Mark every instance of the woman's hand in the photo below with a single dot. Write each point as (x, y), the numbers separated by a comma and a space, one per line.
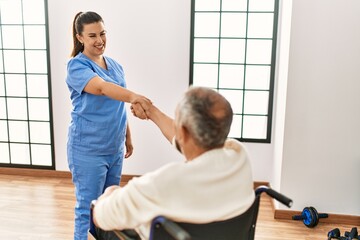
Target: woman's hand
(128, 142)
(129, 148)
(139, 107)
(138, 111)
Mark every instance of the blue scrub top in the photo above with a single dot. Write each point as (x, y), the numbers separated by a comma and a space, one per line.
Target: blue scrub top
(98, 123)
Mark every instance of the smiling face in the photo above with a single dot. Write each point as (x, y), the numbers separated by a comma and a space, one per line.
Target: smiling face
(93, 38)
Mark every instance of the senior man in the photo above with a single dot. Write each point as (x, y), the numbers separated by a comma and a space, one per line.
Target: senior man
(213, 183)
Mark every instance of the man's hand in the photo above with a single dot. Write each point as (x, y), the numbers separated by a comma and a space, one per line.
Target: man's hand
(139, 109)
(108, 191)
(139, 106)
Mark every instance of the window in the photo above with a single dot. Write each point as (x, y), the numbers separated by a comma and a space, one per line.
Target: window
(233, 46)
(25, 108)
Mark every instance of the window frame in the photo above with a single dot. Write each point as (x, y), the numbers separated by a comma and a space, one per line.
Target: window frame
(269, 114)
(25, 73)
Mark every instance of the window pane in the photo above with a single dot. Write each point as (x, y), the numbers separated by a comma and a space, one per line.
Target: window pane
(17, 108)
(260, 25)
(205, 75)
(24, 83)
(237, 61)
(15, 85)
(3, 131)
(206, 50)
(261, 5)
(256, 102)
(20, 153)
(13, 37)
(41, 155)
(34, 15)
(11, 12)
(37, 85)
(4, 153)
(257, 77)
(232, 51)
(234, 5)
(38, 109)
(255, 127)
(259, 51)
(207, 5)
(2, 108)
(36, 61)
(40, 132)
(235, 130)
(233, 25)
(18, 131)
(14, 61)
(35, 37)
(207, 24)
(232, 76)
(235, 98)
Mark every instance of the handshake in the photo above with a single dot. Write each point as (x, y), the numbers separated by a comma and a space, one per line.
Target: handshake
(142, 107)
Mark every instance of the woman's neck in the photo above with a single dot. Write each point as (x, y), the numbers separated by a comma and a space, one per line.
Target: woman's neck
(98, 59)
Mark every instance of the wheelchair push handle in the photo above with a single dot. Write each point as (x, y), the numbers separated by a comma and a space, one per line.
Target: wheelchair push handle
(274, 194)
(280, 197)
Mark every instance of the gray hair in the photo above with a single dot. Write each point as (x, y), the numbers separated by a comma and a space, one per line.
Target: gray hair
(207, 115)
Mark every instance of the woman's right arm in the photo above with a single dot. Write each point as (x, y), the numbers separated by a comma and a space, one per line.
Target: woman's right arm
(98, 86)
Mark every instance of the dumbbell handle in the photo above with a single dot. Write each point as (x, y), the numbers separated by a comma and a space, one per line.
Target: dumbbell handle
(302, 217)
(352, 234)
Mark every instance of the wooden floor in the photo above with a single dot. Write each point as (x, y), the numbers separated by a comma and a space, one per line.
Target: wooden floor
(41, 208)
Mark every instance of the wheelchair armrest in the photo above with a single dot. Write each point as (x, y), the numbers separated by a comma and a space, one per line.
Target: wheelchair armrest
(171, 227)
(274, 194)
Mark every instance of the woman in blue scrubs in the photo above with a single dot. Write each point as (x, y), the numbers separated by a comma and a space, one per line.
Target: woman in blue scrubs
(99, 135)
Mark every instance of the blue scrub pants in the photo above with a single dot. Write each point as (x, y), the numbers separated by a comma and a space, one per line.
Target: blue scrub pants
(91, 175)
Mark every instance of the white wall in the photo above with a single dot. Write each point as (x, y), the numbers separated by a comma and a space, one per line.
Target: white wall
(283, 42)
(313, 157)
(321, 153)
(151, 40)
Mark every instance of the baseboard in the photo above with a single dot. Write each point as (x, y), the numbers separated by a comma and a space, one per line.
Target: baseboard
(34, 172)
(259, 183)
(66, 174)
(333, 218)
(49, 173)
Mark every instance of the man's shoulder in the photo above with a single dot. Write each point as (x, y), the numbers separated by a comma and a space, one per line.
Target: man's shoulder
(234, 145)
(165, 171)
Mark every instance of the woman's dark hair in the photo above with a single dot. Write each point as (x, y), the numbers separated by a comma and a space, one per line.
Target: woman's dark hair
(82, 18)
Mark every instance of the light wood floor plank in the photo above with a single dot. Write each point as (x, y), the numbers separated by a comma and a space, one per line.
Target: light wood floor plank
(41, 208)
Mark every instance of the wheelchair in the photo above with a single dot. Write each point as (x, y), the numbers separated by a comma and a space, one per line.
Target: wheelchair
(240, 227)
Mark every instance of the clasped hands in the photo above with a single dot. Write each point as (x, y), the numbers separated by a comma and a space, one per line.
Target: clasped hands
(141, 107)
